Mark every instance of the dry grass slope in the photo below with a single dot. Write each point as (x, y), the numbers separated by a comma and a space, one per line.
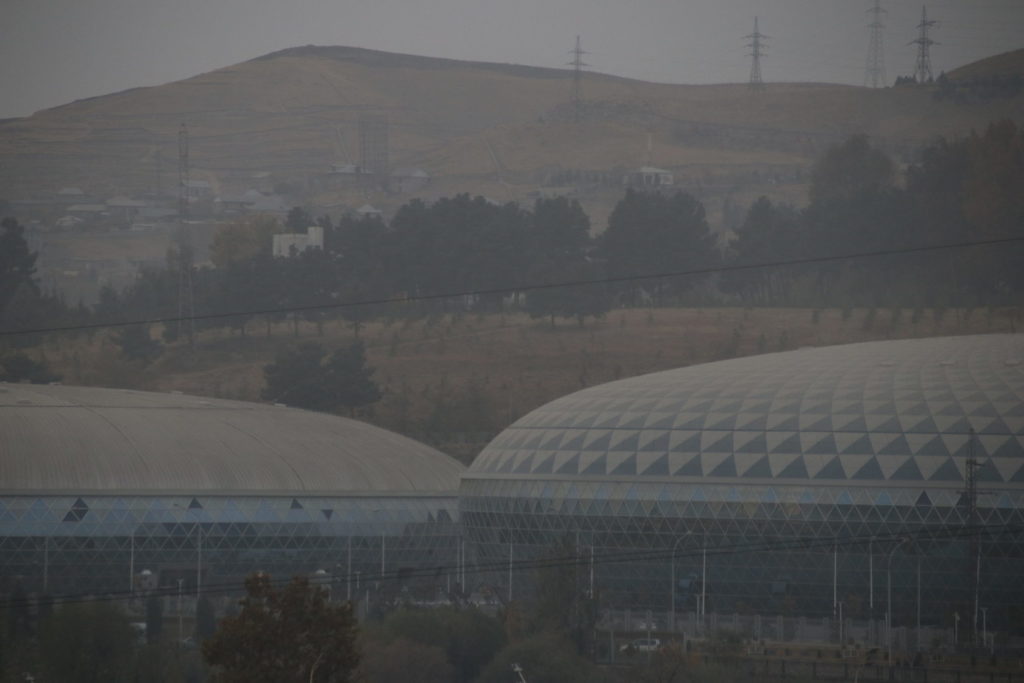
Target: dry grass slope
(456, 379)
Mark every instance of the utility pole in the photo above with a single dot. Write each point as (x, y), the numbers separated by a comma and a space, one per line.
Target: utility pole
(186, 312)
(923, 68)
(874, 71)
(970, 497)
(756, 51)
(577, 65)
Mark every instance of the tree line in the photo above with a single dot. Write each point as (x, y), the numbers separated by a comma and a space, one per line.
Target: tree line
(468, 253)
(959, 191)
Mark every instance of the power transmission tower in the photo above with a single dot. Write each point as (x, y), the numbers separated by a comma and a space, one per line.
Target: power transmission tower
(923, 69)
(577, 65)
(373, 147)
(186, 312)
(874, 71)
(756, 51)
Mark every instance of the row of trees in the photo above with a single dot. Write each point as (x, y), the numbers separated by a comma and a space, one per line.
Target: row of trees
(471, 253)
(959, 192)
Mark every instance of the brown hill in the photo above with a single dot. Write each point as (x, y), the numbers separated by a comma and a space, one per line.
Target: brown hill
(1004, 65)
(495, 129)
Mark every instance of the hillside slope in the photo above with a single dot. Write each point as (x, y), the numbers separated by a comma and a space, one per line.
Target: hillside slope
(491, 128)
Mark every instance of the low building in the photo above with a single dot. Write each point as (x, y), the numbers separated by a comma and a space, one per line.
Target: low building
(287, 244)
(649, 176)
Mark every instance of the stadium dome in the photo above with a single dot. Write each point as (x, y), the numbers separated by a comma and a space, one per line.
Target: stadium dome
(843, 454)
(98, 484)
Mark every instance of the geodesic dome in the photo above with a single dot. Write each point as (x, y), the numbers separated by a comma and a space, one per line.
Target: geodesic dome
(786, 480)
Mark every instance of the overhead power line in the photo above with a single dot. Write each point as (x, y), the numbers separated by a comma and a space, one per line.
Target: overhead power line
(523, 288)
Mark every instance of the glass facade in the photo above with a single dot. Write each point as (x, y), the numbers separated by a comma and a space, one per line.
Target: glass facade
(91, 544)
(779, 484)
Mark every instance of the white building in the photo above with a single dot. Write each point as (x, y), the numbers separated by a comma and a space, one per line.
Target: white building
(285, 242)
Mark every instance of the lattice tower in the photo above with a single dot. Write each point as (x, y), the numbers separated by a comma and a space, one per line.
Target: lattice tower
(874, 70)
(756, 46)
(923, 68)
(577, 65)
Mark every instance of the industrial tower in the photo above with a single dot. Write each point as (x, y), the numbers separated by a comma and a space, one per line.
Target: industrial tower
(756, 50)
(874, 71)
(186, 312)
(577, 65)
(923, 69)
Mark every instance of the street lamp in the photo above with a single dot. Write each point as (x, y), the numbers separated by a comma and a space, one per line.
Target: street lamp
(888, 609)
(672, 585)
(984, 626)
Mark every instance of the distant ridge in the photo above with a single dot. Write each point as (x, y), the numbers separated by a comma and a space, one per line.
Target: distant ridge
(378, 58)
(1002, 65)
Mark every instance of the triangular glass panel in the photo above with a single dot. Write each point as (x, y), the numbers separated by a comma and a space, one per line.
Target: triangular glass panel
(832, 470)
(794, 470)
(860, 446)
(897, 446)
(597, 467)
(600, 443)
(626, 467)
(870, 470)
(692, 468)
(908, 471)
(726, 468)
(755, 445)
(947, 472)
(570, 466)
(760, 469)
(545, 465)
(659, 443)
(658, 468)
(790, 445)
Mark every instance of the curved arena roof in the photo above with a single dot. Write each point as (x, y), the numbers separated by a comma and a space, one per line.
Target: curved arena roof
(78, 439)
(890, 412)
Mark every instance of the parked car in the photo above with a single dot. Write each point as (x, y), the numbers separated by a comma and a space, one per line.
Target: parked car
(642, 645)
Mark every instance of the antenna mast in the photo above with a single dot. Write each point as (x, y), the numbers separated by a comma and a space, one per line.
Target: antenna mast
(186, 313)
(577, 65)
(756, 47)
(874, 71)
(923, 68)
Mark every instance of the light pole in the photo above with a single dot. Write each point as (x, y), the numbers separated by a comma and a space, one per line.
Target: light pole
(888, 609)
(131, 566)
(703, 583)
(180, 582)
(672, 585)
(984, 626)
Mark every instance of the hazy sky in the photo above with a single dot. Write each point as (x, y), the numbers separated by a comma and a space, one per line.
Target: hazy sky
(56, 51)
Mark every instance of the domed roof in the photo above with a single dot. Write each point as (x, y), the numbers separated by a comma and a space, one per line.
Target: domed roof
(78, 439)
(891, 411)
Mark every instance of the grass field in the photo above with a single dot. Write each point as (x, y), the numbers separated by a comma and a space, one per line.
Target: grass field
(456, 379)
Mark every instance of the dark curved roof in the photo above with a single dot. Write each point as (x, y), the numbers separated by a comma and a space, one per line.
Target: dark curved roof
(877, 412)
(61, 439)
